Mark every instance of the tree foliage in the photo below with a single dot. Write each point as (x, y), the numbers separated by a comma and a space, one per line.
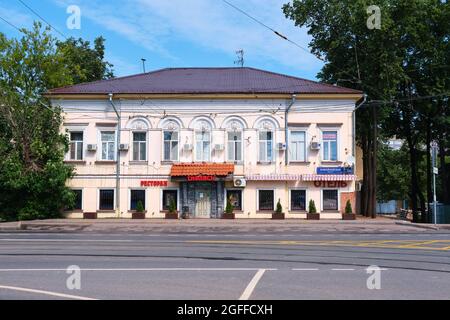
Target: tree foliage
(407, 58)
(32, 171)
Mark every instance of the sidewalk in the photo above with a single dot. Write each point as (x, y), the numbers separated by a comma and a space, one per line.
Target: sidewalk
(362, 225)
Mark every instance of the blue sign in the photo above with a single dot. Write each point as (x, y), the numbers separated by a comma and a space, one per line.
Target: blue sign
(334, 170)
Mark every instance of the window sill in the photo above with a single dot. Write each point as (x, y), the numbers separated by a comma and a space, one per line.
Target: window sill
(106, 211)
(138, 163)
(330, 211)
(168, 163)
(80, 162)
(105, 162)
(134, 211)
(265, 163)
(265, 211)
(298, 212)
(331, 162)
(300, 162)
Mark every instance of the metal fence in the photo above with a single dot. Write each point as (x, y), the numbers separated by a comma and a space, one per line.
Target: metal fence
(442, 213)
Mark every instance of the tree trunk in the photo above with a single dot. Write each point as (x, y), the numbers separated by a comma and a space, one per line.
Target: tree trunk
(445, 197)
(373, 200)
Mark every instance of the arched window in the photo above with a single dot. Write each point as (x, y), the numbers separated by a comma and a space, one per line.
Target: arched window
(266, 137)
(171, 140)
(139, 128)
(203, 131)
(235, 135)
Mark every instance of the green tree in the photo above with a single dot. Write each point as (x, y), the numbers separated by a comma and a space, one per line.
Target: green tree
(32, 171)
(229, 207)
(85, 64)
(312, 207)
(348, 207)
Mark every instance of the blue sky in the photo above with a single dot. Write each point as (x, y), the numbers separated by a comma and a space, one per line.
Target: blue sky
(176, 33)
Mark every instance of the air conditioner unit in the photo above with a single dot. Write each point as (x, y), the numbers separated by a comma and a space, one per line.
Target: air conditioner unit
(188, 147)
(91, 147)
(124, 147)
(219, 147)
(315, 146)
(281, 146)
(240, 183)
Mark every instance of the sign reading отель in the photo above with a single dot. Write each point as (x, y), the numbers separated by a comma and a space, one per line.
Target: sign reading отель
(154, 183)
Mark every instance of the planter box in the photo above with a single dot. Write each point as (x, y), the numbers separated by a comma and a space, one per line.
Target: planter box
(138, 215)
(313, 216)
(172, 216)
(228, 216)
(89, 215)
(278, 216)
(348, 216)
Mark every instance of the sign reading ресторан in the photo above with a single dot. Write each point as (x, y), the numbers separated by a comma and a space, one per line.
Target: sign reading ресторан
(154, 183)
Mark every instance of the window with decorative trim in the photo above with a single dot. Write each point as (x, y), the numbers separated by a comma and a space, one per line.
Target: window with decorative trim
(330, 145)
(76, 146)
(171, 138)
(297, 146)
(139, 146)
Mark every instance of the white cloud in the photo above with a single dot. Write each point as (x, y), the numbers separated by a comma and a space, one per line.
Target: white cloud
(17, 18)
(158, 24)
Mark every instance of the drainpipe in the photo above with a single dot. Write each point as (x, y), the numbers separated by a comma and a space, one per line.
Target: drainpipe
(118, 155)
(354, 124)
(286, 129)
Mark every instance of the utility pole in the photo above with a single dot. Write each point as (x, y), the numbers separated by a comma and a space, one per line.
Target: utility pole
(434, 149)
(143, 64)
(240, 58)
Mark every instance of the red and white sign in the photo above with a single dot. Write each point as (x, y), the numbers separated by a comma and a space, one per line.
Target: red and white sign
(330, 184)
(154, 183)
(201, 178)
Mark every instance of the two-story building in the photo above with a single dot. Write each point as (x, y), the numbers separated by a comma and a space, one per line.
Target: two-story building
(195, 137)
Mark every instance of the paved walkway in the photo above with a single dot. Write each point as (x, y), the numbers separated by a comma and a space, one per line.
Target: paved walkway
(362, 225)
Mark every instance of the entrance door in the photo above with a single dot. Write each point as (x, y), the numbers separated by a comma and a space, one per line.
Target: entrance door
(202, 203)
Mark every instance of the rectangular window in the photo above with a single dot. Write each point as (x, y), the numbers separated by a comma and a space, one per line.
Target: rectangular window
(266, 146)
(139, 146)
(108, 142)
(298, 200)
(330, 142)
(76, 146)
(235, 196)
(170, 146)
(330, 200)
(265, 200)
(106, 199)
(297, 146)
(203, 146)
(235, 146)
(78, 204)
(135, 197)
(168, 197)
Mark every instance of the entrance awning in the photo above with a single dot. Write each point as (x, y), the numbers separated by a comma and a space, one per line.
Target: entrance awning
(202, 169)
(329, 177)
(273, 177)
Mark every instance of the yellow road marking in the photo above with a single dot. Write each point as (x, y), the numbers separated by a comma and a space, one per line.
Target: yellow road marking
(390, 244)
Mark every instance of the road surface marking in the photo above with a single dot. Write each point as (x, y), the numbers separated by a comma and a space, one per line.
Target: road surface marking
(305, 269)
(141, 269)
(343, 269)
(49, 293)
(64, 240)
(252, 285)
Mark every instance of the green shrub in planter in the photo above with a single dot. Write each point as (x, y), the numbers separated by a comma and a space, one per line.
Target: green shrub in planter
(229, 208)
(312, 207)
(172, 206)
(279, 208)
(348, 207)
(140, 207)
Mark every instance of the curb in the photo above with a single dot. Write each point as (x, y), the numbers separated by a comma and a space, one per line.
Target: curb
(417, 225)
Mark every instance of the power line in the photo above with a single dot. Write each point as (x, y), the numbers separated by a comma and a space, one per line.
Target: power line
(40, 17)
(6, 21)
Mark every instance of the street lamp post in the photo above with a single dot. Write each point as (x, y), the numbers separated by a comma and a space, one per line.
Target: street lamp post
(434, 148)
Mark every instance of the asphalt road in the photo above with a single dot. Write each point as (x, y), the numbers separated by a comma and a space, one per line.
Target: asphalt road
(225, 266)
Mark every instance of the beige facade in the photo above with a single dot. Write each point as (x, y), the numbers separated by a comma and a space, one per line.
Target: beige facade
(250, 133)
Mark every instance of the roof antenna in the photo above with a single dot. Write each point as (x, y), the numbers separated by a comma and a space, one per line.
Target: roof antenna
(240, 56)
(143, 63)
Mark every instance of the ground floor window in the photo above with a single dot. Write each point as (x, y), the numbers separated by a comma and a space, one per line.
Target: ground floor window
(78, 202)
(168, 197)
(265, 200)
(106, 199)
(298, 200)
(235, 196)
(135, 197)
(330, 200)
